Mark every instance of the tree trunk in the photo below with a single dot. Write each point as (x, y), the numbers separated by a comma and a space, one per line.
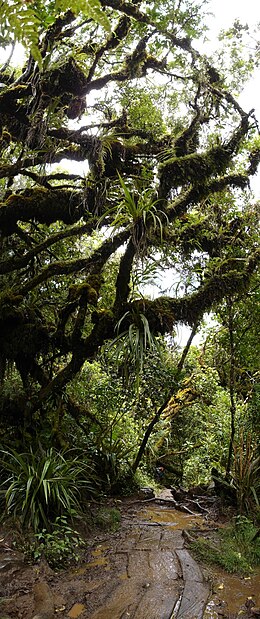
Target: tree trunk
(157, 416)
(231, 385)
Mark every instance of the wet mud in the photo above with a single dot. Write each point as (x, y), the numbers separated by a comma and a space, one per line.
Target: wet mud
(143, 571)
(230, 595)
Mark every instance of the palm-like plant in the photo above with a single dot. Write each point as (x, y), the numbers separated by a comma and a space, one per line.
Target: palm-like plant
(140, 212)
(133, 342)
(42, 485)
(246, 474)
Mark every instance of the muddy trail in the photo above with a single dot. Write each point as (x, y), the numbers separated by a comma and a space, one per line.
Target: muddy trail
(143, 571)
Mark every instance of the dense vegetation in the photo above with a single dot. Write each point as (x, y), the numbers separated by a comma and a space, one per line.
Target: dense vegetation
(126, 159)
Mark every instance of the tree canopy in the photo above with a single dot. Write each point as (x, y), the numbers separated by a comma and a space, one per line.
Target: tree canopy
(162, 158)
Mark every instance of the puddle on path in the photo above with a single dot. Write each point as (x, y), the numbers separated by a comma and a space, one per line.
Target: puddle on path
(101, 561)
(171, 517)
(98, 560)
(231, 592)
(76, 611)
(99, 550)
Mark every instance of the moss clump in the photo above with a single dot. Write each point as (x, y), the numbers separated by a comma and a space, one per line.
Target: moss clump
(10, 313)
(194, 168)
(68, 78)
(159, 313)
(42, 205)
(85, 292)
(8, 297)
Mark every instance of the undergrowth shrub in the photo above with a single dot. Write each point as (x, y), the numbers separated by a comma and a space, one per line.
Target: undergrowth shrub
(107, 518)
(246, 474)
(237, 549)
(39, 486)
(60, 547)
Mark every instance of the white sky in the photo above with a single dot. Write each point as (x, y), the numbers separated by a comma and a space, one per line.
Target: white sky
(226, 11)
(224, 14)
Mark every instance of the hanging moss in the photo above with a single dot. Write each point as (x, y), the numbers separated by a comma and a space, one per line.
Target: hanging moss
(68, 78)
(10, 312)
(8, 99)
(27, 339)
(22, 331)
(12, 406)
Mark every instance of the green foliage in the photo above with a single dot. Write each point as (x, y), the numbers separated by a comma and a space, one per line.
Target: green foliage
(246, 474)
(108, 518)
(237, 548)
(123, 414)
(239, 56)
(60, 547)
(140, 211)
(110, 443)
(143, 108)
(192, 442)
(246, 342)
(20, 20)
(41, 485)
(25, 21)
(142, 479)
(132, 344)
(139, 334)
(200, 433)
(186, 17)
(89, 8)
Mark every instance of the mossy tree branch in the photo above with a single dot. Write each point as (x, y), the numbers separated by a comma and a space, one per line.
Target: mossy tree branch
(90, 265)
(52, 315)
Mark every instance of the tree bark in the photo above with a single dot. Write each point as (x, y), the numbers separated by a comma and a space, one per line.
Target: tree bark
(232, 384)
(157, 416)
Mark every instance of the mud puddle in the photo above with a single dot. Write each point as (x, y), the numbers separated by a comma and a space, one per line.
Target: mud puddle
(230, 593)
(171, 518)
(76, 611)
(97, 560)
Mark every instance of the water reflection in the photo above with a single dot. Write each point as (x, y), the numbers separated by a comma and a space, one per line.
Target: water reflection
(230, 591)
(171, 517)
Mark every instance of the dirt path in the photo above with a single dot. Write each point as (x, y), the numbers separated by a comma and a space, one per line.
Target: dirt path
(141, 572)
(156, 578)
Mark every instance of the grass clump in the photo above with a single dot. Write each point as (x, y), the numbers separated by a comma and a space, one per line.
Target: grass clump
(237, 549)
(42, 485)
(108, 519)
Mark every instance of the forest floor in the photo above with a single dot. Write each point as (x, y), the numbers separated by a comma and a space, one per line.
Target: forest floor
(144, 570)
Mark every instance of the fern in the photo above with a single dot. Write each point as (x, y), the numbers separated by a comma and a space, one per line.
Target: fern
(19, 20)
(90, 8)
